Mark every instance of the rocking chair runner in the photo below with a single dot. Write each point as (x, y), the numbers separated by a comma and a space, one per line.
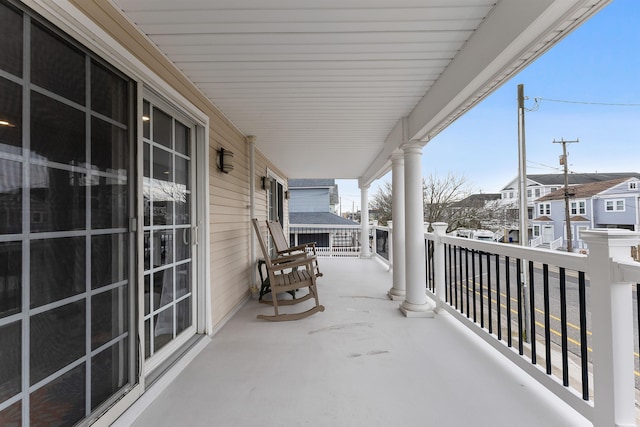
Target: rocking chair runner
(282, 246)
(287, 273)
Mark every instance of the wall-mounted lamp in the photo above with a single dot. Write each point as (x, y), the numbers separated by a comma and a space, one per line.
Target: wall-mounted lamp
(266, 182)
(287, 194)
(225, 160)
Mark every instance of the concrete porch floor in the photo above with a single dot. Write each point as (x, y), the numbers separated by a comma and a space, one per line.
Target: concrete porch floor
(359, 363)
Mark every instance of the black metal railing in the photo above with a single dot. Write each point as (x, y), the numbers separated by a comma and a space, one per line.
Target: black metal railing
(382, 243)
(545, 313)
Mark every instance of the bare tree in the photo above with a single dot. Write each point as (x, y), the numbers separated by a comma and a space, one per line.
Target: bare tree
(381, 203)
(440, 196)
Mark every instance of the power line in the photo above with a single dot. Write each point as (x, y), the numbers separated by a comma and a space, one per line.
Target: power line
(542, 165)
(610, 104)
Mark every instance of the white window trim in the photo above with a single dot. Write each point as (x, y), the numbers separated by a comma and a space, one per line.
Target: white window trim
(576, 205)
(614, 205)
(544, 208)
(633, 185)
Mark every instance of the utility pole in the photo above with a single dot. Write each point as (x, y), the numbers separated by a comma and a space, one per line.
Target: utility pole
(524, 209)
(567, 213)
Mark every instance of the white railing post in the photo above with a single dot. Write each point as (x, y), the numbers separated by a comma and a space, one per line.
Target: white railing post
(331, 244)
(374, 241)
(439, 230)
(364, 222)
(612, 320)
(390, 246)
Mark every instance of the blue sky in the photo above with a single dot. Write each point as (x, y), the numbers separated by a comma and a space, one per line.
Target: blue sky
(598, 63)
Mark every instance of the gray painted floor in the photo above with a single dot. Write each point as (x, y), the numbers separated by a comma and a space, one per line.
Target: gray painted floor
(360, 363)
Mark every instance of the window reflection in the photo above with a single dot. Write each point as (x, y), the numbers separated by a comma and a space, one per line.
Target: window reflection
(10, 278)
(10, 116)
(11, 41)
(10, 197)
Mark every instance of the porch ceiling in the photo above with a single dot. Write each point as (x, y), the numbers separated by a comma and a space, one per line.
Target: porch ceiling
(324, 85)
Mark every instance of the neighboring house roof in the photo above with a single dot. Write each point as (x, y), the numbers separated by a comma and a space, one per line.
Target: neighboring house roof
(477, 199)
(542, 218)
(574, 178)
(311, 183)
(583, 191)
(579, 218)
(325, 218)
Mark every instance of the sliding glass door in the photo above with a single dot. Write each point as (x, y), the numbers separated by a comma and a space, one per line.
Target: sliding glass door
(169, 262)
(67, 347)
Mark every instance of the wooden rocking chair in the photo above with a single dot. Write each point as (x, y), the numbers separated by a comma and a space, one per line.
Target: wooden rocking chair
(282, 245)
(288, 273)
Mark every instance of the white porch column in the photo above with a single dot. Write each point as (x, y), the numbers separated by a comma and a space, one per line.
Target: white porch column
(415, 303)
(398, 289)
(365, 252)
(612, 322)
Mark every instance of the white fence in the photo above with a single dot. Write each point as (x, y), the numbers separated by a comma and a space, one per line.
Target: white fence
(331, 240)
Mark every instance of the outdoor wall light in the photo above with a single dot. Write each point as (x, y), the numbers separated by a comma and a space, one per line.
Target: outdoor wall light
(287, 194)
(225, 160)
(266, 182)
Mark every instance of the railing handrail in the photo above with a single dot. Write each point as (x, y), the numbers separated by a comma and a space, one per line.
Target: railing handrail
(629, 270)
(535, 242)
(570, 261)
(556, 243)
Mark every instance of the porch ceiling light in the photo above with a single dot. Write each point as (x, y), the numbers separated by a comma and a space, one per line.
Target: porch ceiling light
(225, 160)
(7, 124)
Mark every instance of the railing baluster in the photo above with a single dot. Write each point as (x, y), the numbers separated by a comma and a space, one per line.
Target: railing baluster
(507, 272)
(532, 314)
(455, 277)
(466, 282)
(563, 327)
(498, 298)
(547, 317)
(473, 282)
(450, 276)
(481, 290)
(584, 356)
(489, 292)
(519, 283)
(461, 279)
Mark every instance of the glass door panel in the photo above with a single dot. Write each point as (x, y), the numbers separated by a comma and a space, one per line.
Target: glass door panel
(66, 181)
(168, 261)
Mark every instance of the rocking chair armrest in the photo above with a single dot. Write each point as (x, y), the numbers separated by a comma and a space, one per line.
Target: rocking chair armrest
(306, 261)
(285, 259)
(298, 248)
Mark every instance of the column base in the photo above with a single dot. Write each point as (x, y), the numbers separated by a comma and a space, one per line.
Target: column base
(417, 310)
(396, 294)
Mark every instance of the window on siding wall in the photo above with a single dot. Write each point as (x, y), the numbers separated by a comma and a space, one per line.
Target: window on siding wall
(616, 205)
(579, 207)
(633, 186)
(544, 209)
